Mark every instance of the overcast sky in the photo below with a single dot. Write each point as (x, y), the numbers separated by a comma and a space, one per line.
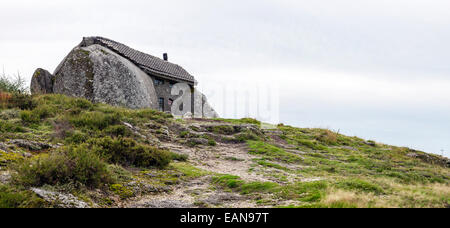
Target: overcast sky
(375, 69)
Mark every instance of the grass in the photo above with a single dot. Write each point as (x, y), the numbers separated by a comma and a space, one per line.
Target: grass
(127, 151)
(271, 152)
(299, 191)
(264, 163)
(360, 185)
(240, 121)
(98, 151)
(188, 170)
(12, 198)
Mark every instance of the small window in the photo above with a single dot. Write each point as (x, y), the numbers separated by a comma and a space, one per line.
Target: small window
(171, 84)
(170, 102)
(158, 82)
(161, 104)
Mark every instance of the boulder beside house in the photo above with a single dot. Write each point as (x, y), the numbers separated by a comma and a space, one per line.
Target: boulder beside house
(105, 71)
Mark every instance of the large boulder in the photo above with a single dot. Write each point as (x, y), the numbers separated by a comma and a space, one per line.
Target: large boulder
(208, 110)
(202, 108)
(100, 75)
(41, 82)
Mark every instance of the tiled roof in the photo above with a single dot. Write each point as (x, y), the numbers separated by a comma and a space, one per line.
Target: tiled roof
(148, 63)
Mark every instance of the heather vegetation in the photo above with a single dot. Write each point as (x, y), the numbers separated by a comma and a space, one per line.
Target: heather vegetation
(112, 156)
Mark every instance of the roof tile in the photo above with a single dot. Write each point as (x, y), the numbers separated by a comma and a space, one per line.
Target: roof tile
(145, 61)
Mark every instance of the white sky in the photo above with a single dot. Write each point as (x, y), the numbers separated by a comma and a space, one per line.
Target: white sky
(375, 69)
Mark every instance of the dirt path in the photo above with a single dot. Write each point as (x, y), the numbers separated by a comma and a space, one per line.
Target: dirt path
(191, 194)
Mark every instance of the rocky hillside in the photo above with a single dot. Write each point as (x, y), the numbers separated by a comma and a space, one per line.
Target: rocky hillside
(57, 151)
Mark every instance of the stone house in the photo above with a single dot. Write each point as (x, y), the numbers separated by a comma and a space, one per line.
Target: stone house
(103, 70)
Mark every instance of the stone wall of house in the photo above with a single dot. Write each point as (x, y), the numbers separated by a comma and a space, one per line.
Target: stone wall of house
(164, 91)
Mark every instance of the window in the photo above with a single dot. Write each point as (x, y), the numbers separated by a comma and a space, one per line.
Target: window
(158, 82)
(171, 84)
(161, 104)
(170, 102)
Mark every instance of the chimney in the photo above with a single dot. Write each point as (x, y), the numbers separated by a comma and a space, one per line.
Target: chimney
(165, 57)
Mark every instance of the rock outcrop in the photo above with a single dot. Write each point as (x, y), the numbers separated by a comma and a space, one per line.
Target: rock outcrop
(42, 82)
(202, 108)
(60, 199)
(120, 76)
(100, 75)
(208, 111)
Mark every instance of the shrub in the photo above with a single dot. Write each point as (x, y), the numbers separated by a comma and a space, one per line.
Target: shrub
(241, 121)
(95, 120)
(212, 142)
(29, 117)
(328, 137)
(45, 111)
(21, 101)
(6, 126)
(126, 151)
(4, 99)
(117, 130)
(12, 85)
(246, 136)
(150, 114)
(14, 93)
(76, 137)
(81, 103)
(120, 174)
(222, 129)
(72, 164)
(13, 198)
(250, 121)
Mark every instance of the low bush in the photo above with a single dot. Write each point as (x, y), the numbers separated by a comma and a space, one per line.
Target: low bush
(95, 120)
(72, 164)
(21, 101)
(245, 136)
(13, 198)
(117, 131)
(126, 151)
(76, 137)
(12, 84)
(241, 121)
(222, 129)
(6, 126)
(29, 117)
(328, 137)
